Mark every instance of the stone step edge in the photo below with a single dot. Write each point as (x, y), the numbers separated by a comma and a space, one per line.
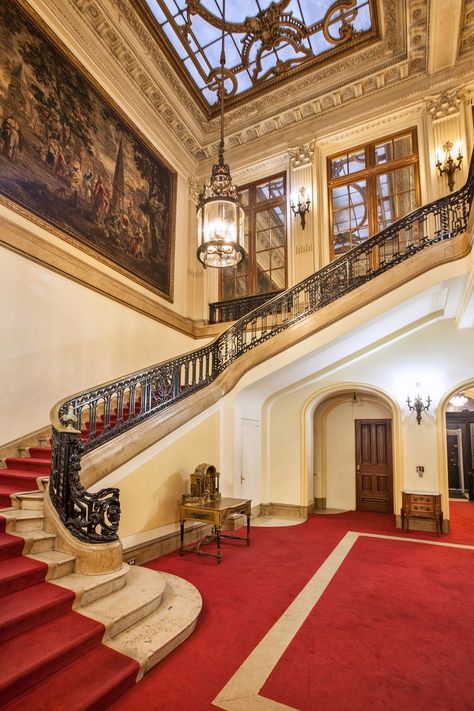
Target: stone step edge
(89, 588)
(132, 603)
(153, 638)
(59, 564)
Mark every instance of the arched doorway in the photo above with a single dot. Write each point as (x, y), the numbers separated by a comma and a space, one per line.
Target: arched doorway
(460, 445)
(352, 434)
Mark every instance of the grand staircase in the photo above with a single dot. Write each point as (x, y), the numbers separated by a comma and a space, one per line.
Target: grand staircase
(66, 638)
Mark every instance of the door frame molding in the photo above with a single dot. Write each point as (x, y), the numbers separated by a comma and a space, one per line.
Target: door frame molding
(458, 433)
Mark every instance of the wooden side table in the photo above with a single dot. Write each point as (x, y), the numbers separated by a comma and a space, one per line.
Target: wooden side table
(422, 505)
(215, 513)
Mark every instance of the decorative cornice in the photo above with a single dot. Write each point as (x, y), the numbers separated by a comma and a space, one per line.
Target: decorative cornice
(444, 105)
(96, 18)
(302, 155)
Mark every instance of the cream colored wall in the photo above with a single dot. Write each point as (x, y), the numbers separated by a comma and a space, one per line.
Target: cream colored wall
(59, 337)
(337, 438)
(438, 357)
(152, 484)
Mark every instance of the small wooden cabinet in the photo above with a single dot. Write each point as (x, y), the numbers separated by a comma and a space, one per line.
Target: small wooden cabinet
(422, 505)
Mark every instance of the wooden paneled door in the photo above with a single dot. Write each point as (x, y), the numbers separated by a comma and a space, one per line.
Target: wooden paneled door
(374, 476)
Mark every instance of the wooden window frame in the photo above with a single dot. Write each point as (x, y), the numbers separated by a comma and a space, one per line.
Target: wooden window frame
(369, 174)
(251, 211)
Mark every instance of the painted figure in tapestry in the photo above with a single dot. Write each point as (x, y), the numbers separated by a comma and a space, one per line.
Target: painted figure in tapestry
(70, 159)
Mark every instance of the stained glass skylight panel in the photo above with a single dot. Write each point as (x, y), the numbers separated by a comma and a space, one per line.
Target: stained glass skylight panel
(263, 40)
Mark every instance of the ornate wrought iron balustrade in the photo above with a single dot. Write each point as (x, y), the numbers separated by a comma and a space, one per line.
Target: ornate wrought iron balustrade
(233, 309)
(87, 420)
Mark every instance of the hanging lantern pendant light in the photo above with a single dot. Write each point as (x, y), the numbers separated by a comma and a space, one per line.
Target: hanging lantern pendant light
(219, 212)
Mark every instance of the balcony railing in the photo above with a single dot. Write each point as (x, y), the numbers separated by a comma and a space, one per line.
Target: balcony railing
(87, 420)
(233, 309)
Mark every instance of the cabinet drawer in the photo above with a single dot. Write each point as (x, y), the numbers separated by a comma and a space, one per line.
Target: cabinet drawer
(421, 508)
(418, 499)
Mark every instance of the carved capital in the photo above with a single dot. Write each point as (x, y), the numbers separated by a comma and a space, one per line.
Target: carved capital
(193, 190)
(302, 155)
(444, 105)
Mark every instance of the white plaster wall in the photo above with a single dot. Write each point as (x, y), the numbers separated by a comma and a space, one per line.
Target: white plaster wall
(58, 337)
(338, 434)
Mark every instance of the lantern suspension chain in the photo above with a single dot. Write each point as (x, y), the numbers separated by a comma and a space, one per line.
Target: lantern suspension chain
(222, 87)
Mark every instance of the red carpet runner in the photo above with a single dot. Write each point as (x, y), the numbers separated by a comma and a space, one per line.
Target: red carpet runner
(394, 626)
(43, 644)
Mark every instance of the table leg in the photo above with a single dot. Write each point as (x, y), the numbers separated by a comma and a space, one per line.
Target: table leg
(248, 529)
(181, 537)
(218, 541)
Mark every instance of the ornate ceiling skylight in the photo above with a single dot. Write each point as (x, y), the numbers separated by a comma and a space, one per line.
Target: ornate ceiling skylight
(264, 41)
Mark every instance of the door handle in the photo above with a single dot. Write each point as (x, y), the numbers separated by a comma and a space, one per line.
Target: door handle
(358, 467)
(242, 478)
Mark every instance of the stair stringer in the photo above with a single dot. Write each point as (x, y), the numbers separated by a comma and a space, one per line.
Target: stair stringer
(97, 464)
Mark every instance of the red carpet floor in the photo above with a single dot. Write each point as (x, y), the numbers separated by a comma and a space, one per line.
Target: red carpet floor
(251, 589)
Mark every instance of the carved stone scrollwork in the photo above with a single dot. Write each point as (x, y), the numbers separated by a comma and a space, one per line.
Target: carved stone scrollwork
(444, 105)
(302, 155)
(193, 190)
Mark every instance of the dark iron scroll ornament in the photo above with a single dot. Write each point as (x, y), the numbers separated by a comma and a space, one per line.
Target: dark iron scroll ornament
(83, 422)
(269, 29)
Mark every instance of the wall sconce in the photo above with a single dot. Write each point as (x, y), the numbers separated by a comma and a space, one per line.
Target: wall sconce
(419, 406)
(302, 206)
(450, 166)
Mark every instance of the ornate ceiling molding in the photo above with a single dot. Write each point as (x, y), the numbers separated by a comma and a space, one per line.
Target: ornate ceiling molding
(444, 105)
(98, 20)
(302, 155)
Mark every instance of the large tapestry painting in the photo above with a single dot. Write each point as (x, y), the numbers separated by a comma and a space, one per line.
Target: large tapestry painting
(68, 157)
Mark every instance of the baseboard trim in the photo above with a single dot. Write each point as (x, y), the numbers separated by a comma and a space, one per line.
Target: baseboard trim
(320, 504)
(286, 510)
(147, 545)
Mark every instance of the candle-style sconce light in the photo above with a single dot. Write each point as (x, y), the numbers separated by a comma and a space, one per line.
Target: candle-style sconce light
(418, 406)
(302, 206)
(450, 165)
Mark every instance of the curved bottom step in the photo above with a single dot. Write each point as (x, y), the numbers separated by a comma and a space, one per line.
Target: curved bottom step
(151, 639)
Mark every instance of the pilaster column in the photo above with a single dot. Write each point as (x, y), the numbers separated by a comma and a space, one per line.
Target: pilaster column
(301, 241)
(446, 123)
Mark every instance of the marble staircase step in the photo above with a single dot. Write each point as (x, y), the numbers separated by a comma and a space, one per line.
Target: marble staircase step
(36, 541)
(59, 564)
(89, 588)
(28, 500)
(151, 639)
(120, 610)
(23, 520)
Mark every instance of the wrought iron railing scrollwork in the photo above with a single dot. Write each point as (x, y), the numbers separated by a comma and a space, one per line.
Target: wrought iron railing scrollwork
(89, 419)
(233, 309)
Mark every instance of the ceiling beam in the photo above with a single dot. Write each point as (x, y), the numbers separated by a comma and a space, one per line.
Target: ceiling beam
(445, 30)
